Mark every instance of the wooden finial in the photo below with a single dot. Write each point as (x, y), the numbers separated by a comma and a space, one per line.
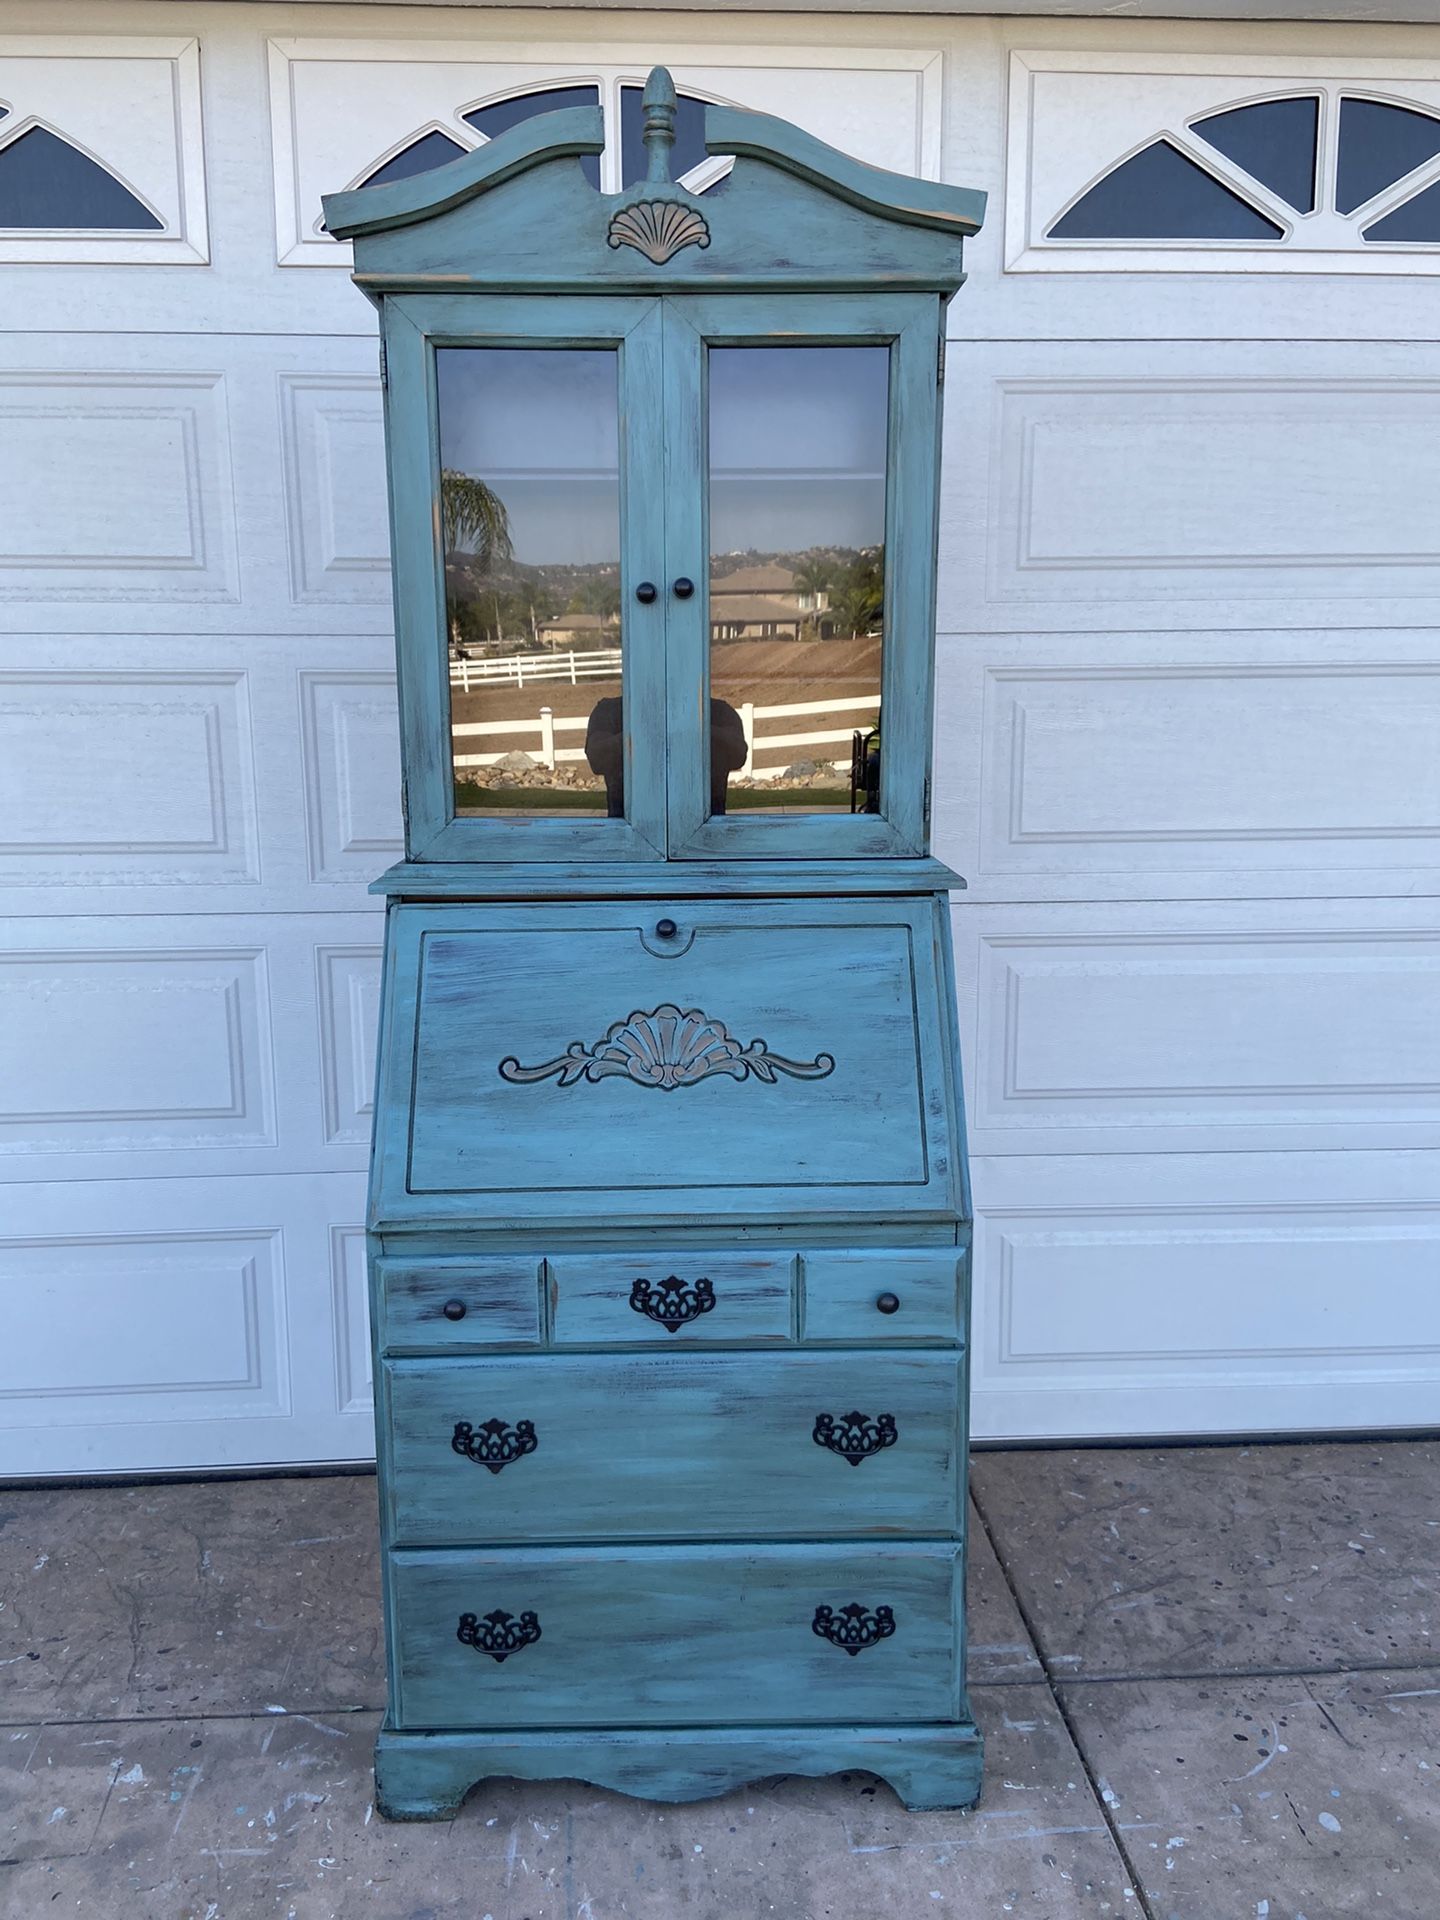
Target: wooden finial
(658, 105)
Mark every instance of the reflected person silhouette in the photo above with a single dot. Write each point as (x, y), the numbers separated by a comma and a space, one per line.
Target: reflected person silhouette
(605, 751)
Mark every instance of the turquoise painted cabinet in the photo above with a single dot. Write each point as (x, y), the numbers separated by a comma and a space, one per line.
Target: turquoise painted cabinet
(669, 1219)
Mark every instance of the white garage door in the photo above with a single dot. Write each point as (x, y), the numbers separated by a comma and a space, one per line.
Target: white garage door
(1190, 724)
(197, 730)
(1188, 695)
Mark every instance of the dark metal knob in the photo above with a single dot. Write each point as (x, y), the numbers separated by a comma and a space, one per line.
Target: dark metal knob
(888, 1303)
(684, 588)
(645, 592)
(665, 929)
(454, 1309)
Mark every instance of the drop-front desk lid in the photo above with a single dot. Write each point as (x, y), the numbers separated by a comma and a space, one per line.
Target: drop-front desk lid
(720, 1059)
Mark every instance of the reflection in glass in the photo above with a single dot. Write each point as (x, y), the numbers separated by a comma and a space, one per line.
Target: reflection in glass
(530, 521)
(797, 577)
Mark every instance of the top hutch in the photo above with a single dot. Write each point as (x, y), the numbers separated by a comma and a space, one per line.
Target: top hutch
(668, 1212)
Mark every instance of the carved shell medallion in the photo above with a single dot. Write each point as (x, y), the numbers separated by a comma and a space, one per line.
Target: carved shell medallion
(658, 228)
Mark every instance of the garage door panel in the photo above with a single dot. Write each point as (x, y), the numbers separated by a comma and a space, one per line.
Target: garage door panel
(1199, 1302)
(348, 984)
(125, 777)
(245, 772)
(181, 1323)
(338, 106)
(1256, 1027)
(352, 775)
(114, 486)
(1132, 765)
(1190, 484)
(148, 1046)
(335, 503)
(178, 483)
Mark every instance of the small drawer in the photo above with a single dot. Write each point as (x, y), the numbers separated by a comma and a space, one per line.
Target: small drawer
(687, 1636)
(883, 1294)
(636, 1446)
(449, 1305)
(673, 1299)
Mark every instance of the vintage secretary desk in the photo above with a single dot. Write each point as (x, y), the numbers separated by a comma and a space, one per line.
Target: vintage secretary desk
(668, 1212)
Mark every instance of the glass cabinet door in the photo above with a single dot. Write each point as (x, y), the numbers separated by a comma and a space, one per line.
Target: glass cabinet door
(799, 531)
(526, 628)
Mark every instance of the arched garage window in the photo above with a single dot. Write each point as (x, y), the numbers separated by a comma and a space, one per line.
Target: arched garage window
(433, 146)
(50, 184)
(1295, 169)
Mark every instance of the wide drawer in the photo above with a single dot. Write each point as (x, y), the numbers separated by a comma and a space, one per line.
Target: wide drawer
(767, 1059)
(671, 1299)
(687, 1636)
(635, 1446)
(450, 1304)
(883, 1293)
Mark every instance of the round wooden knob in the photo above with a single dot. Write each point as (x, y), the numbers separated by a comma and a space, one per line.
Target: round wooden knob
(888, 1303)
(455, 1309)
(684, 588)
(665, 929)
(645, 592)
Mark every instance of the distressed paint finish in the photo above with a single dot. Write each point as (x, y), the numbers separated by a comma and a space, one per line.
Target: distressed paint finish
(425, 1776)
(676, 1635)
(857, 980)
(754, 1296)
(668, 1205)
(631, 1446)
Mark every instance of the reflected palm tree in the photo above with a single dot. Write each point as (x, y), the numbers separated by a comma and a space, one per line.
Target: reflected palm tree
(473, 520)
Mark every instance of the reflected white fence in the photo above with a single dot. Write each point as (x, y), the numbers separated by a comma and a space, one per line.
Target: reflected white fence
(540, 736)
(523, 669)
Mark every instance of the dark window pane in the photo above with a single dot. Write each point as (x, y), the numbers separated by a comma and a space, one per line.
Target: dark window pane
(1417, 219)
(689, 148)
(501, 115)
(45, 182)
(1274, 141)
(1159, 194)
(433, 149)
(1378, 146)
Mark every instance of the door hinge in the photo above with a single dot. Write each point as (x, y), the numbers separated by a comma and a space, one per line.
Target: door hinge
(384, 366)
(925, 808)
(940, 363)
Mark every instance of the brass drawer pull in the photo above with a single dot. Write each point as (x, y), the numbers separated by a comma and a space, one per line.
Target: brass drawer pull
(854, 1436)
(853, 1628)
(499, 1634)
(672, 1303)
(494, 1443)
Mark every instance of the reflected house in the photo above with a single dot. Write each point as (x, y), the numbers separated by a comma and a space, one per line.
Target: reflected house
(764, 603)
(579, 631)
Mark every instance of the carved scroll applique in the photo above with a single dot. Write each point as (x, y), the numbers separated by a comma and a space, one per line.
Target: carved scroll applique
(667, 1048)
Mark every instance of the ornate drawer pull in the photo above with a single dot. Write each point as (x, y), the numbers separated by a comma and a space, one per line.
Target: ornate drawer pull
(671, 1301)
(499, 1634)
(854, 1436)
(853, 1628)
(494, 1444)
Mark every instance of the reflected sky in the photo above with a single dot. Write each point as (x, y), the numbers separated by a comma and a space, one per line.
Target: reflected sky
(797, 447)
(540, 426)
